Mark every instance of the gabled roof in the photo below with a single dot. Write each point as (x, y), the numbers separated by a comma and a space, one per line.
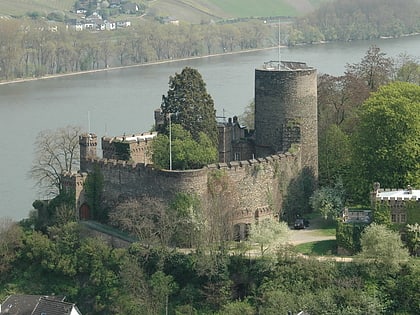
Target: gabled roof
(37, 305)
(19, 304)
(47, 306)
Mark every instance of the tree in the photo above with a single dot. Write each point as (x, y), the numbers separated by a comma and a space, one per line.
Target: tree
(186, 211)
(186, 153)
(382, 214)
(219, 209)
(93, 191)
(413, 238)
(11, 237)
(387, 140)
(334, 156)
(135, 299)
(190, 105)
(375, 68)
(384, 247)
(98, 275)
(161, 287)
(329, 201)
(248, 116)
(238, 308)
(407, 69)
(268, 234)
(56, 152)
(338, 100)
(139, 218)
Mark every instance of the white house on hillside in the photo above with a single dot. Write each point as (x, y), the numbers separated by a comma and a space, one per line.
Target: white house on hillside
(21, 304)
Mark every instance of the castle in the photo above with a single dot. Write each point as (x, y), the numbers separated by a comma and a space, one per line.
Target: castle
(259, 166)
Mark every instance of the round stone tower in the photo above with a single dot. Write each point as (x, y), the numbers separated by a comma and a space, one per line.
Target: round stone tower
(286, 110)
(88, 143)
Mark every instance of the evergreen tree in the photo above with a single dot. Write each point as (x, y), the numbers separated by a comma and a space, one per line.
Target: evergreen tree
(189, 105)
(93, 191)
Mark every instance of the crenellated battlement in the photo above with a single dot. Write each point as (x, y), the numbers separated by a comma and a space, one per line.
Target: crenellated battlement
(392, 194)
(132, 166)
(396, 199)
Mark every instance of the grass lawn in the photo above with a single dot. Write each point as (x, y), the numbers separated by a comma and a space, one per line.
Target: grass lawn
(321, 226)
(248, 8)
(321, 248)
(21, 7)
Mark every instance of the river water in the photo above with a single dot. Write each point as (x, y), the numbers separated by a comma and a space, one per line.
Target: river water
(122, 101)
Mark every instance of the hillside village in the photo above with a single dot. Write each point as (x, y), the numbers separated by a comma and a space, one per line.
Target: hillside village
(89, 18)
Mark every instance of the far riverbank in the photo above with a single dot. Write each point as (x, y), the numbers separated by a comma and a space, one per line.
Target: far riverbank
(181, 60)
(59, 75)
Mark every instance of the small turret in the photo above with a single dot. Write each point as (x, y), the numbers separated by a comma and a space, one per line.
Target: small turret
(88, 143)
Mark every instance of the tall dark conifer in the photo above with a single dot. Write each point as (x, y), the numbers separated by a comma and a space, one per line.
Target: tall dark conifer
(190, 105)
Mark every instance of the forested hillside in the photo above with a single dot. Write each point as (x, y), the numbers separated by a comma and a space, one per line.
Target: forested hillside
(347, 20)
(137, 280)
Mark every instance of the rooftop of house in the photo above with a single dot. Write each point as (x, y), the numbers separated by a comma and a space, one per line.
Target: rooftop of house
(22, 304)
(53, 307)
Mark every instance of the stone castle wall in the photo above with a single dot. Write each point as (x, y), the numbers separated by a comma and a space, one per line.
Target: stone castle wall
(138, 147)
(256, 187)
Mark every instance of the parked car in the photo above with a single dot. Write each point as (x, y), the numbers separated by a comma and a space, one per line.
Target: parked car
(299, 224)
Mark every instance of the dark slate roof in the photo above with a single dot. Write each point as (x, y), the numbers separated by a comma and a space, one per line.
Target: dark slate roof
(19, 304)
(36, 305)
(48, 306)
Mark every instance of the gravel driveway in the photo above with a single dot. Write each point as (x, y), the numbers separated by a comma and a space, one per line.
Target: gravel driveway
(310, 234)
(307, 235)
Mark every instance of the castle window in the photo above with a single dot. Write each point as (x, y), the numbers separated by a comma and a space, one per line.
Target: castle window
(402, 218)
(393, 218)
(237, 156)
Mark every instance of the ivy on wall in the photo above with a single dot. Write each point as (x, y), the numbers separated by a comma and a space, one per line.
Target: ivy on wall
(93, 187)
(382, 214)
(122, 151)
(413, 212)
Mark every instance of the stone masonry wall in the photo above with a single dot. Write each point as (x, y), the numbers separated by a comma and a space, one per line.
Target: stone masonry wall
(286, 112)
(256, 185)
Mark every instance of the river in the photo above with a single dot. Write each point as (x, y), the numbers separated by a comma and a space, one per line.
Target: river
(122, 101)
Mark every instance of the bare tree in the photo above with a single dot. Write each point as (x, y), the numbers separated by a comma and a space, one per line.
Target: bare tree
(56, 152)
(375, 68)
(220, 209)
(145, 219)
(407, 69)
